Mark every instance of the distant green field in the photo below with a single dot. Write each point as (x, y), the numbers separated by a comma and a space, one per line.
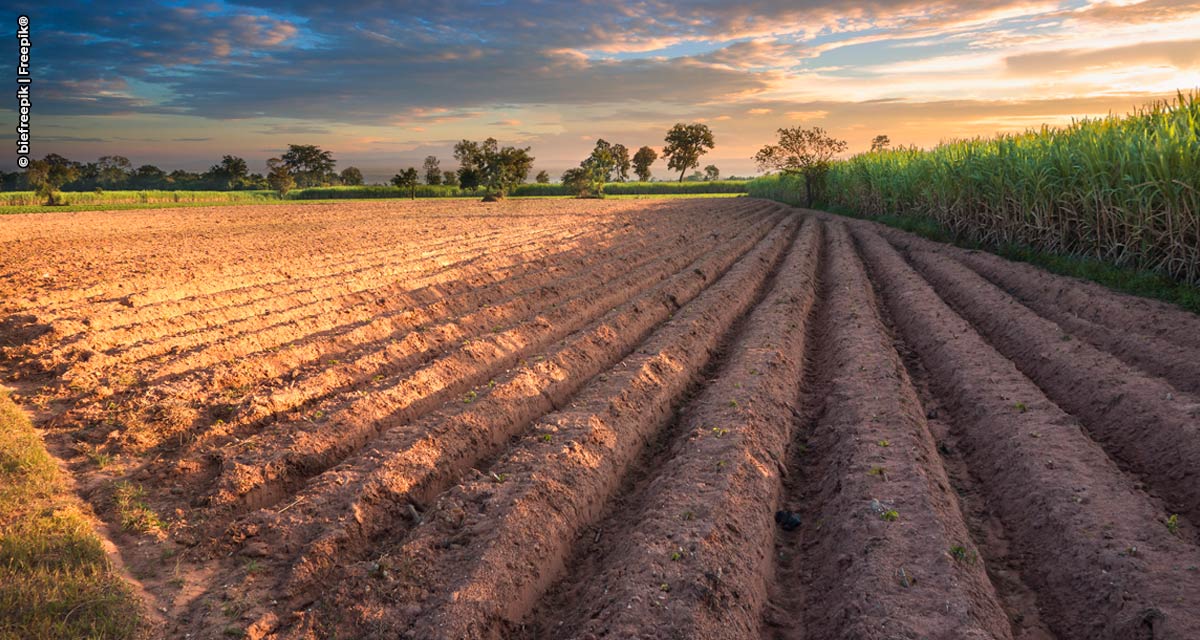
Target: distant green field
(28, 202)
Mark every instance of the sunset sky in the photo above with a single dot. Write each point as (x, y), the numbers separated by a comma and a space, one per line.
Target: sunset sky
(384, 84)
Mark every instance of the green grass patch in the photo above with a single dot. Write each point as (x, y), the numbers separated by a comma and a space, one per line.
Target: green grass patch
(55, 579)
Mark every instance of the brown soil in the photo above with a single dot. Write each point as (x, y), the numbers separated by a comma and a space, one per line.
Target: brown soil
(699, 418)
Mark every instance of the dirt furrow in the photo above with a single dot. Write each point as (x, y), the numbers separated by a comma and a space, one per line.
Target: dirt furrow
(296, 450)
(414, 465)
(710, 493)
(470, 573)
(1146, 424)
(1093, 546)
(882, 543)
(331, 362)
(151, 304)
(1164, 357)
(194, 342)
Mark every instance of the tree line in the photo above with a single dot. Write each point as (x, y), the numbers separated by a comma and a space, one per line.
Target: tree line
(485, 166)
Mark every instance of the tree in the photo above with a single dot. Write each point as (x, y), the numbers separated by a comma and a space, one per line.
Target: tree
(578, 181)
(228, 173)
(542, 177)
(433, 170)
(408, 179)
(351, 176)
(880, 142)
(279, 177)
(711, 172)
(621, 162)
(113, 171)
(310, 165)
(642, 161)
(450, 178)
(149, 176)
(49, 174)
(808, 152)
(496, 168)
(685, 144)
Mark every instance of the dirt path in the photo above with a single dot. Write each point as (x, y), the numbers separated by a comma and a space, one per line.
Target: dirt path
(607, 419)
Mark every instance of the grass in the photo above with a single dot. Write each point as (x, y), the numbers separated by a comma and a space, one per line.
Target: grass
(55, 579)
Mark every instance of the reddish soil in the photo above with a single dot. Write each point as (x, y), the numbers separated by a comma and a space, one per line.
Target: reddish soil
(718, 418)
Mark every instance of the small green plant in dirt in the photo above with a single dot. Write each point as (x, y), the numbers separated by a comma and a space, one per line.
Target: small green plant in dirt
(134, 513)
(253, 567)
(879, 472)
(884, 443)
(891, 515)
(1020, 406)
(664, 587)
(1173, 524)
(547, 437)
(677, 555)
(95, 454)
(718, 431)
(499, 478)
(470, 397)
(733, 403)
(960, 554)
(688, 515)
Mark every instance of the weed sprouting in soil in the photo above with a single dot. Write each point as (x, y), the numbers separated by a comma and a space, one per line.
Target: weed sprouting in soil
(960, 554)
(1173, 524)
(132, 510)
(891, 515)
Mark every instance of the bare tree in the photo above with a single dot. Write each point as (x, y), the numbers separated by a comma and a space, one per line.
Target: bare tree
(880, 142)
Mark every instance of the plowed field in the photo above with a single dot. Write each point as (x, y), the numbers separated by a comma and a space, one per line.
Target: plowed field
(720, 418)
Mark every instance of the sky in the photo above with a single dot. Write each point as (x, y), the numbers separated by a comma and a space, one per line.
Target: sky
(382, 84)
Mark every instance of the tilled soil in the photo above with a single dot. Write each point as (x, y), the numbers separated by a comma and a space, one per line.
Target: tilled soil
(718, 418)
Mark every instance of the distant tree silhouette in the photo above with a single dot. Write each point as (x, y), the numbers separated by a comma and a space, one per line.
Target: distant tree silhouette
(351, 176)
(685, 144)
(408, 179)
(433, 170)
(642, 161)
(880, 142)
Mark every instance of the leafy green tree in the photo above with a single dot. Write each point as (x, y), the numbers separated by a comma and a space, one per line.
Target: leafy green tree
(113, 171)
(450, 178)
(685, 144)
(808, 152)
(351, 176)
(228, 173)
(48, 175)
(310, 165)
(408, 179)
(711, 172)
(642, 161)
(578, 181)
(279, 176)
(149, 176)
(880, 142)
(487, 164)
(542, 177)
(433, 170)
(621, 164)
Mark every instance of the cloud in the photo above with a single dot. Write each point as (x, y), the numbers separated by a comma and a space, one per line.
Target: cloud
(190, 139)
(1184, 54)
